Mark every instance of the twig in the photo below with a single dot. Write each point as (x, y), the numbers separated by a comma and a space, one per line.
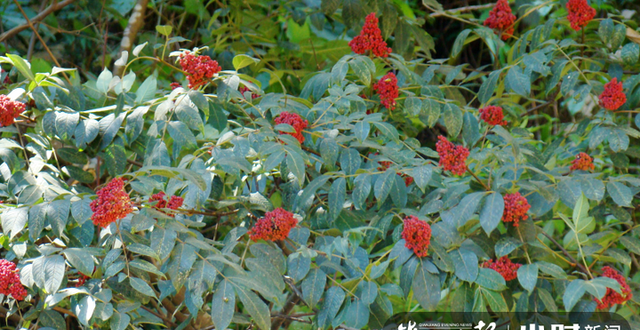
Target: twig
(478, 179)
(55, 6)
(461, 9)
(566, 253)
(44, 44)
(32, 41)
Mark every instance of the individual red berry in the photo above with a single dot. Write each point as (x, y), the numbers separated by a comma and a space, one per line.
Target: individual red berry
(113, 203)
(199, 69)
(504, 266)
(452, 158)
(387, 88)
(275, 226)
(582, 162)
(612, 97)
(612, 297)
(175, 85)
(370, 38)
(492, 115)
(516, 207)
(295, 121)
(9, 110)
(501, 19)
(10, 281)
(417, 235)
(580, 13)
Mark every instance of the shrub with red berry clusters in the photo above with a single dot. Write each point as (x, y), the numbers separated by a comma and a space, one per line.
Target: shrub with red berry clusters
(504, 266)
(200, 69)
(582, 162)
(417, 235)
(580, 13)
(612, 297)
(10, 284)
(501, 19)
(370, 38)
(387, 89)
(492, 115)
(113, 204)
(9, 110)
(274, 226)
(613, 96)
(516, 207)
(295, 121)
(452, 158)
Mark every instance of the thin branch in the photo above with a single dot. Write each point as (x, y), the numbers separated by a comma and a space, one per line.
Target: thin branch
(461, 9)
(35, 19)
(566, 253)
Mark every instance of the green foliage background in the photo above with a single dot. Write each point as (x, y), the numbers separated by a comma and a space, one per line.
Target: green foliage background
(345, 265)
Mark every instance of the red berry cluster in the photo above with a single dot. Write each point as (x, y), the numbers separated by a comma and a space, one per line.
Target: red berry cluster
(113, 203)
(612, 297)
(417, 235)
(82, 279)
(452, 158)
(582, 162)
(580, 13)
(515, 208)
(370, 38)
(275, 226)
(175, 85)
(501, 19)
(9, 110)
(244, 89)
(174, 202)
(295, 121)
(492, 115)
(384, 165)
(504, 266)
(387, 88)
(199, 69)
(10, 281)
(612, 97)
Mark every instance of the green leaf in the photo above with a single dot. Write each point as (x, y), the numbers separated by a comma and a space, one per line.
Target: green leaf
(313, 286)
(120, 321)
(390, 131)
(630, 53)
(367, 292)
(72, 155)
(22, 66)
(452, 119)
(162, 241)
(426, 287)
(466, 264)
(54, 269)
(619, 34)
(333, 299)
(258, 310)
(357, 315)
(180, 133)
(66, 124)
(52, 319)
(467, 207)
(85, 309)
(605, 31)
(13, 220)
(548, 300)
(496, 300)
(147, 89)
(361, 130)
(141, 286)
(459, 43)
(383, 185)
(240, 61)
(109, 127)
(580, 210)
(104, 79)
(413, 105)
(296, 165)
(361, 191)
(224, 300)
(217, 118)
(298, 266)
(337, 197)
(518, 81)
(574, 291)
(552, 269)
(422, 176)
(80, 259)
(620, 193)
(350, 161)
(402, 33)
(506, 245)
(491, 212)
(58, 214)
(430, 112)
(491, 279)
(528, 276)
(631, 243)
(165, 30)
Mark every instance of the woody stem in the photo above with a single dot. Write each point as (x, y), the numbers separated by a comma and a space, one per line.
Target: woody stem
(478, 179)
